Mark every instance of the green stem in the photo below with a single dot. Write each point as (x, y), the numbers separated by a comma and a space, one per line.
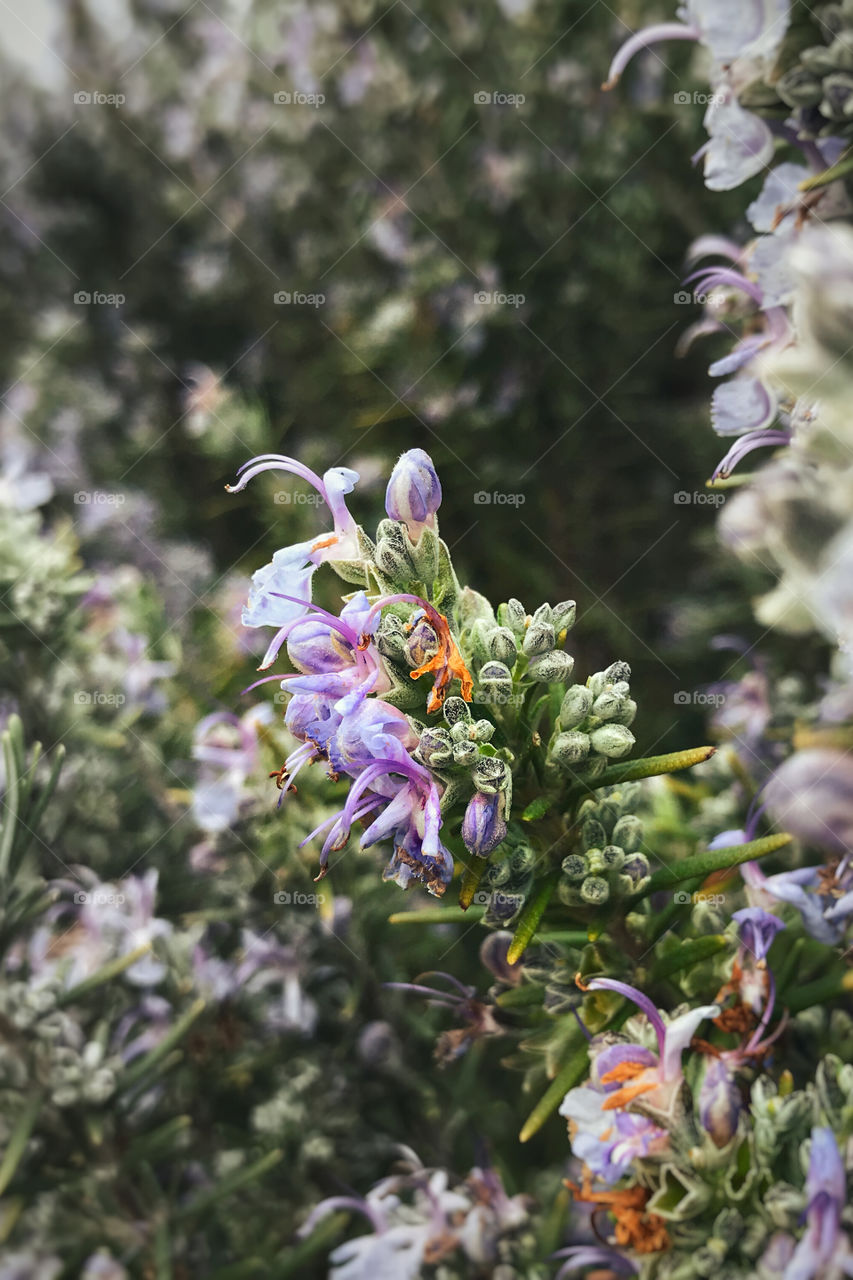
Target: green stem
(17, 1144)
(437, 915)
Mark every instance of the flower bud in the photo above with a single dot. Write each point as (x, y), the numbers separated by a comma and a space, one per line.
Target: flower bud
(575, 867)
(465, 753)
(595, 891)
(627, 714)
(575, 707)
(422, 644)
(456, 710)
(607, 705)
(613, 857)
(538, 638)
(513, 615)
(570, 748)
(435, 747)
(720, 1103)
(414, 492)
(617, 671)
(593, 834)
(490, 775)
(552, 668)
(502, 646)
(563, 616)
(628, 833)
(495, 681)
(612, 740)
(493, 953)
(636, 868)
(484, 825)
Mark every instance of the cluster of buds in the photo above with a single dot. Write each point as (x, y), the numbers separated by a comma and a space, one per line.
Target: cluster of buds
(819, 85)
(593, 725)
(610, 862)
(518, 645)
(419, 751)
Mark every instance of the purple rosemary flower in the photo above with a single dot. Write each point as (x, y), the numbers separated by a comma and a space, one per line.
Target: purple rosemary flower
(822, 895)
(291, 569)
(756, 930)
(811, 795)
(607, 1136)
(825, 1248)
(414, 492)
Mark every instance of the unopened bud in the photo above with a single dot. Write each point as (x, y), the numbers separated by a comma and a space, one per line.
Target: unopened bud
(612, 740)
(502, 646)
(575, 707)
(539, 638)
(628, 833)
(570, 748)
(595, 891)
(552, 668)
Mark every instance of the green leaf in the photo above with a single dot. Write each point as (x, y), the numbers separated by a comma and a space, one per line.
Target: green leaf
(538, 808)
(18, 1140)
(230, 1183)
(471, 878)
(10, 804)
(648, 767)
(437, 915)
(703, 864)
(531, 914)
(102, 975)
(842, 167)
(569, 1076)
(689, 954)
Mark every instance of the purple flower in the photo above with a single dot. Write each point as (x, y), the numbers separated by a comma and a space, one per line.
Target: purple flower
(720, 1102)
(757, 929)
(414, 492)
(484, 824)
(811, 795)
(607, 1136)
(823, 898)
(291, 569)
(825, 1248)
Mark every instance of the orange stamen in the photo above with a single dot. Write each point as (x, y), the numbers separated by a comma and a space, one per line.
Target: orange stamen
(447, 663)
(322, 543)
(622, 1097)
(623, 1071)
(635, 1229)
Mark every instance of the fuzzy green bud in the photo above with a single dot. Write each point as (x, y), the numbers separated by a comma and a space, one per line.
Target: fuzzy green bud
(612, 740)
(495, 681)
(575, 707)
(563, 615)
(593, 834)
(502, 646)
(552, 668)
(595, 891)
(514, 616)
(490, 775)
(575, 867)
(465, 753)
(628, 833)
(627, 714)
(435, 747)
(607, 705)
(456, 710)
(613, 857)
(539, 638)
(570, 748)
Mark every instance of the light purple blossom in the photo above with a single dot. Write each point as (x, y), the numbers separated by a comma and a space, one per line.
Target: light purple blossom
(825, 1249)
(414, 492)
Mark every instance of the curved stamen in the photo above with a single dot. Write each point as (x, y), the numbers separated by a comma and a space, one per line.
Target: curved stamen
(641, 40)
(277, 462)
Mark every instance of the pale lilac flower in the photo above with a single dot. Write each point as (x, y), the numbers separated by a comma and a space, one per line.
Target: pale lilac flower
(811, 795)
(825, 1249)
(291, 570)
(414, 492)
(579, 1257)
